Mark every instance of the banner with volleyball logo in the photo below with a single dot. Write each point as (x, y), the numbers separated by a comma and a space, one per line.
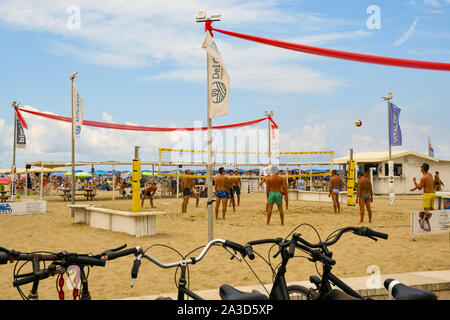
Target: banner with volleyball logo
(77, 103)
(21, 141)
(394, 126)
(218, 80)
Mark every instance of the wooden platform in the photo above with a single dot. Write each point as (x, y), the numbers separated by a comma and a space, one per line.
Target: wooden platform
(138, 224)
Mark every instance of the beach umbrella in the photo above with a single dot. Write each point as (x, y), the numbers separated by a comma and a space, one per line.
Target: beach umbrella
(100, 172)
(57, 174)
(5, 181)
(146, 173)
(83, 175)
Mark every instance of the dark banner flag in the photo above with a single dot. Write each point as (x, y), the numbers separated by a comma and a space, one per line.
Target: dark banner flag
(21, 141)
(394, 126)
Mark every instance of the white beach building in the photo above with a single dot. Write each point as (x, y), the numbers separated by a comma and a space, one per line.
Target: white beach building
(406, 167)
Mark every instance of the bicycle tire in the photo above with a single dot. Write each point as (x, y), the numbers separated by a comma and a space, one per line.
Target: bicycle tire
(297, 292)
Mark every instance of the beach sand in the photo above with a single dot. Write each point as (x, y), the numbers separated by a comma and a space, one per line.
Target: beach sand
(55, 231)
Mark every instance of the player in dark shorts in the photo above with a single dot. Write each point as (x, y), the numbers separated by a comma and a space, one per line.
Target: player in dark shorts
(232, 183)
(148, 193)
(188, 185)
(237, 187)
(221, 186)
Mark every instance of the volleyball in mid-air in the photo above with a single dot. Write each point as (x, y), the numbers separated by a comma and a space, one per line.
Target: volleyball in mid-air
(358, 123)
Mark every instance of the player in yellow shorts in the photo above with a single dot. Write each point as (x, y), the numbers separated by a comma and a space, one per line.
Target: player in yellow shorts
(427, 184)
(428, 200)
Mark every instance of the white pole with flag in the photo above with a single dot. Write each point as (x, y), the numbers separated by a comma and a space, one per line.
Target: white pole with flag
(13, 167)
(218, 91)
(77, 119)
(395, 139)
(19, 142)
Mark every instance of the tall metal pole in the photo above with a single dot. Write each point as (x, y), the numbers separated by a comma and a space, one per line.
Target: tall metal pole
(72, 78)
(209, 168)
(390, 163)
(201, 17)
(389, 125)
(13, 167)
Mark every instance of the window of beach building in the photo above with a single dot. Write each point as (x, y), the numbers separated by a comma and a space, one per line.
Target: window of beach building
(370, 166)
(398, 169)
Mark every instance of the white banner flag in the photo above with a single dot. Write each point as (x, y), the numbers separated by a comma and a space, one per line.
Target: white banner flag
(219, 80)
(77, 112)
(275, 144)
(21, 141)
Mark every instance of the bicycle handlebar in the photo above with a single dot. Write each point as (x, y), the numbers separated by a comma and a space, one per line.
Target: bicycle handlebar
(360, 231)
(40, 275)
(4, 258)
(194, 260)
(372, 233)
(115, 255)
(85, 260)
(244, 250)
(292, 244)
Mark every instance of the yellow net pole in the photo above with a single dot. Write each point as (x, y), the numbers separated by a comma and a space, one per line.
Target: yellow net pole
(136, 182)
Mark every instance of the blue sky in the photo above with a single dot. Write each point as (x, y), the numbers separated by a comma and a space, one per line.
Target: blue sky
(141, 62)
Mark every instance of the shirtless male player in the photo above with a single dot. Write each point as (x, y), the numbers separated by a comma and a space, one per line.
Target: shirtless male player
(365, 196)
(221, 187)
(429, 195)
(188, 187)
(276, 185)
(335, 183)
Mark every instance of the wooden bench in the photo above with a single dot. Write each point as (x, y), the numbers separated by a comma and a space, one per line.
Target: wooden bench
(138, 224)
(68, 195)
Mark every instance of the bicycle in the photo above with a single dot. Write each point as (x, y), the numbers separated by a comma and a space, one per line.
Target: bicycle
(72, 264)
(324, 290)
(183, 282)
(280, 290)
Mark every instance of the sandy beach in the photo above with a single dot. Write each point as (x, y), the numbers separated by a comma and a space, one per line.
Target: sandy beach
(55, 231)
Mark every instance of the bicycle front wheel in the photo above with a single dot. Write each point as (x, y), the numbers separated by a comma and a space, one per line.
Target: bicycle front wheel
(297, 292)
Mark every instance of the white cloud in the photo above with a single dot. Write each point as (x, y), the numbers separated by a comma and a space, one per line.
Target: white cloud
(407, 35)
(107, 117)
(137, 34)
(432, 3)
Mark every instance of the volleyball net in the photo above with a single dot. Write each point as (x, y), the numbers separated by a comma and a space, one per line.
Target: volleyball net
(194, 163)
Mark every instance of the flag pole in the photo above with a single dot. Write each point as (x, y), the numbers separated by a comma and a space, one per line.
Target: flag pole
(201, 17)
(390, 164)
(72, 78)
(209, 182)
(13, 167)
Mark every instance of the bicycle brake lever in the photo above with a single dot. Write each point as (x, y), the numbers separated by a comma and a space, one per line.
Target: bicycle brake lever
(373, 238)
(234, 255)
(276, 254)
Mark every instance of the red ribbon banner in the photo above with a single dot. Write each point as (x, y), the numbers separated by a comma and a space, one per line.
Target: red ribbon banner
(141, 128)
(359, 57)
(21, 119)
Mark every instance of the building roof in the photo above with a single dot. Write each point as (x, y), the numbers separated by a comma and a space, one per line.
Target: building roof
(382, 156)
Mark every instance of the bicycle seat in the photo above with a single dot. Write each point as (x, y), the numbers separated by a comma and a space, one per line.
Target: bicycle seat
(338, 295)
(227, 292)
(402, 292)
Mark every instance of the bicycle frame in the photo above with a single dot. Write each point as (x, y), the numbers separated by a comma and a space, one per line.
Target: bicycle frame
(328, 278)
(182, 290)
(279, 289)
